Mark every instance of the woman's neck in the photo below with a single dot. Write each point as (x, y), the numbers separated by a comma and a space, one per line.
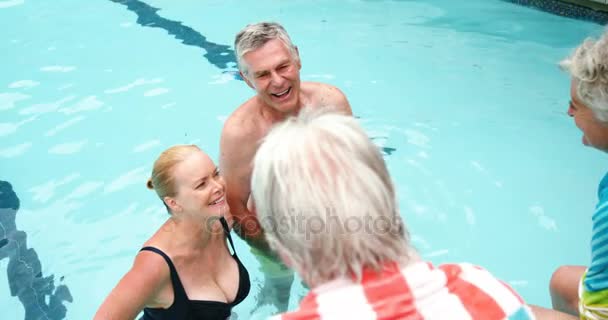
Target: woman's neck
(195, 233)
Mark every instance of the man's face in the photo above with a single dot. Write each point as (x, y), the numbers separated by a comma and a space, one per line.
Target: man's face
(274, 73)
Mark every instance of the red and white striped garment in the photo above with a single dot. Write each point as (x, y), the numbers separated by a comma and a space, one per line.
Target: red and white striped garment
(419, 291)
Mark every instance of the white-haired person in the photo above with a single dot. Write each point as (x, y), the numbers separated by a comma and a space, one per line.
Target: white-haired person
(583, 290)
(328, 208)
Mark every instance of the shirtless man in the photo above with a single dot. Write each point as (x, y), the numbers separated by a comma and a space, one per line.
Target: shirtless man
(270, 64)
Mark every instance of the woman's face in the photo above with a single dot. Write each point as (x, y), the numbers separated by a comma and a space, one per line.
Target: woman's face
(200, 188)
(595, 133)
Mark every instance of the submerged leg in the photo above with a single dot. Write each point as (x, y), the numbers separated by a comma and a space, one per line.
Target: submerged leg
(550, 314)
(564, 288)
(278, 279)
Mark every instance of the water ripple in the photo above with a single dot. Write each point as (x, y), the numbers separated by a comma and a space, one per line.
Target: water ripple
(11, 3)
(8, 100)
(14, 151)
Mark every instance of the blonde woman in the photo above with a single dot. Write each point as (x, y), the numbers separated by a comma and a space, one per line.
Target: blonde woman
(185, 270)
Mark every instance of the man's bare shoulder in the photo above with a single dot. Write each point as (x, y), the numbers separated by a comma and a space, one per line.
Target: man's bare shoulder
(317, 87)
(242, 123)
(326, 95)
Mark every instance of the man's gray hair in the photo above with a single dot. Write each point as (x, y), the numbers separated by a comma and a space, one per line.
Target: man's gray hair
(588, 65)
(325, 199)
(254, 36)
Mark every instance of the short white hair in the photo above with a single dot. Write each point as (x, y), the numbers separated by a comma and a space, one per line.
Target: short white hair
(325, 198)
(588, 65)
(254, 36)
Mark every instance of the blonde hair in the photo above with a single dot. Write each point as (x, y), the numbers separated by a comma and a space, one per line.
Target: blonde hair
(162, 180)
(589, 66)
(316, 176)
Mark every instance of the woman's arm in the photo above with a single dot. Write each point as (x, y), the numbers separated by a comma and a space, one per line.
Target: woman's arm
(149, 274)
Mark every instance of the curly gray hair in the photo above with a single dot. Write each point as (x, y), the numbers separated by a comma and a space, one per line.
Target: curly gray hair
(325, 198)
(588, 65)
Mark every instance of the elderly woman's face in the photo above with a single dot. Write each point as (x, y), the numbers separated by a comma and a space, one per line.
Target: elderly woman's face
(595, 133)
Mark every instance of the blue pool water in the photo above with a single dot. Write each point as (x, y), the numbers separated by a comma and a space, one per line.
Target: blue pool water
(464, 97)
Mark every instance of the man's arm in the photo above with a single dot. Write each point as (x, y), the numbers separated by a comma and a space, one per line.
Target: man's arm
(236, 153)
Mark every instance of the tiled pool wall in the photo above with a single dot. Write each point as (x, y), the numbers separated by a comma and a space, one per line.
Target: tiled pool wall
(590, 10)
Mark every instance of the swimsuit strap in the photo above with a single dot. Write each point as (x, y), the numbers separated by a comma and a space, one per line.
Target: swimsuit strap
(227, 232)
(178, 288)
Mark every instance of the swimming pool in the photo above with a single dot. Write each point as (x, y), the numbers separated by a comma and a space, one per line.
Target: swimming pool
(464, 97)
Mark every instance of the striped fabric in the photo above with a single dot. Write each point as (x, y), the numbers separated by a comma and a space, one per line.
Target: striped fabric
(419, 291)
(597, 276)
(592, 304)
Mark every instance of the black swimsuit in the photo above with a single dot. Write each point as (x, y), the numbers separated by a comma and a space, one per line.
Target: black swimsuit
(184, 308)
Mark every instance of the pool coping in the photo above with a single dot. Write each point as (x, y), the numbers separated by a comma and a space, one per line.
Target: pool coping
(589, 10)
